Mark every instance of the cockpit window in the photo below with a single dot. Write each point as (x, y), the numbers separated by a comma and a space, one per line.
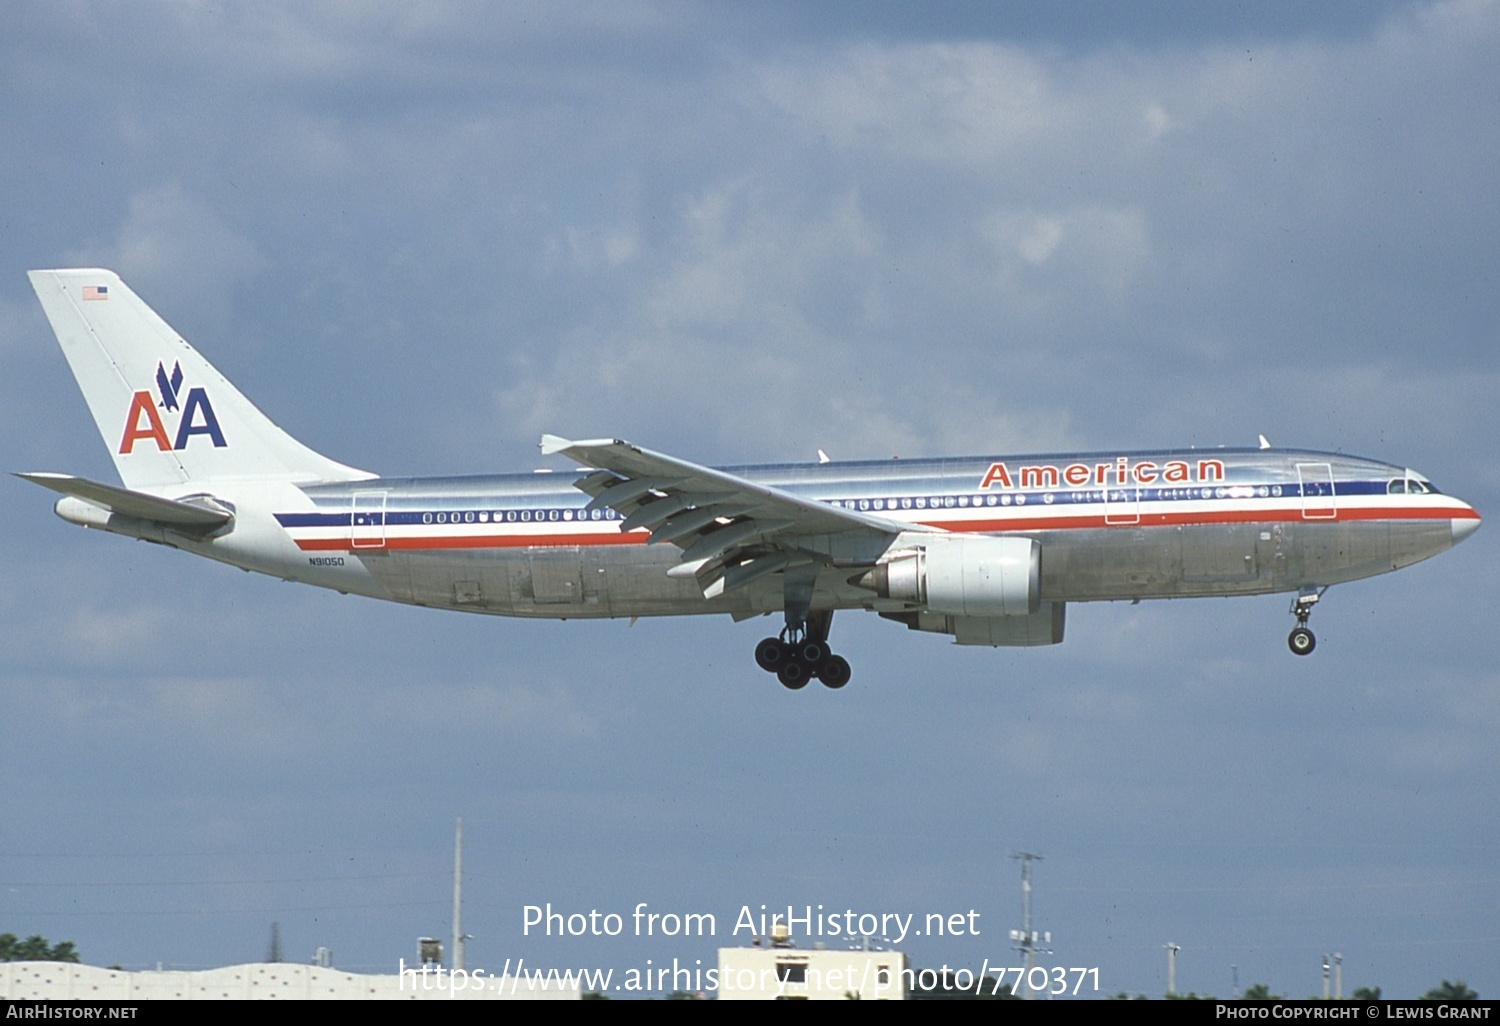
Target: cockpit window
(1411, 486)
(1396, 487)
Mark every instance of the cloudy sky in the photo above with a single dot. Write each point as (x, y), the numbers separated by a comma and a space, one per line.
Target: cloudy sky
(420, 235)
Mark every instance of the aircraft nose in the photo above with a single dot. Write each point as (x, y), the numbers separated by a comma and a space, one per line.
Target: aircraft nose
(1465, 526)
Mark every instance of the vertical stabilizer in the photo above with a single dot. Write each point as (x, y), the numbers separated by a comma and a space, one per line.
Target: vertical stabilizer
(166, 414)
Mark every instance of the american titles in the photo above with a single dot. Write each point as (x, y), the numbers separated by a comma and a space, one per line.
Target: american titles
(1121, 471)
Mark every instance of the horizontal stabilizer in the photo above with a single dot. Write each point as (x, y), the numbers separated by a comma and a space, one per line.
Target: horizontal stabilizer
(188, 515)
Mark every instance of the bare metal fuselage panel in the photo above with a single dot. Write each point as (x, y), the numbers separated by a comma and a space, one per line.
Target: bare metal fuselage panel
(1252, 522)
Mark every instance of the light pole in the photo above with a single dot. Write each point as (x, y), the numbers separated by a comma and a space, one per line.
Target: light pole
(1028, 941)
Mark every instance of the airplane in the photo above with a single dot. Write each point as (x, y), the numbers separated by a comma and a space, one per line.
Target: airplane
(988, 550)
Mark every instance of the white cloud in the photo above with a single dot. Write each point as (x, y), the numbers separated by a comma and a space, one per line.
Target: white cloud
(513, 711)
(109, 635)
(943, 103)
(180, 252)
(16, 320)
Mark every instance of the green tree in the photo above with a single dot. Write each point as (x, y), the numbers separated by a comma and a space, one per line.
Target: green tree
(65, 951)
(1365, 994)
(1458, 990)
(1259, 992)
(35, 949)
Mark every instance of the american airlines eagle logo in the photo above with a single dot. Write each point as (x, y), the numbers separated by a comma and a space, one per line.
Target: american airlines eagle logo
(168, 386)
(143, 422)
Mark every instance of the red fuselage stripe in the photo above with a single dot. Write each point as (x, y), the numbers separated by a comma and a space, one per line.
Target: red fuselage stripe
(1232, 516)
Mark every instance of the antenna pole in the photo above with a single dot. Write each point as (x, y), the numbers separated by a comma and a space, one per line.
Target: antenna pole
(1027, 941)
(458, 896)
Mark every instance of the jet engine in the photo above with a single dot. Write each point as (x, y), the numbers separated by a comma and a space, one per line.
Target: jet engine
(961, 575)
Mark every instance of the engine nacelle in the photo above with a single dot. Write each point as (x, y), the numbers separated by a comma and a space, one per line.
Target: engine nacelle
(962, 575)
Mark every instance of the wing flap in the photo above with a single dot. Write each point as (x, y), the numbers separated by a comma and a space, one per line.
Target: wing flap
(733, 531)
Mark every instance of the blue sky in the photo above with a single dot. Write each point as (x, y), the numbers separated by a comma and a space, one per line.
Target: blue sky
(420, 237)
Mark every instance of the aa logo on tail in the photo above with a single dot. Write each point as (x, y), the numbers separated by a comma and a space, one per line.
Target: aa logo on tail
(143, 422)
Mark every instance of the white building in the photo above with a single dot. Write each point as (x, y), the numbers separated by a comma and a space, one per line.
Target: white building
(784, 973)
(64, 981)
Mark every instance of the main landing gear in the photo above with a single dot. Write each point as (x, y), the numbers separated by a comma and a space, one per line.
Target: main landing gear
(802, 653)
(1301, 640)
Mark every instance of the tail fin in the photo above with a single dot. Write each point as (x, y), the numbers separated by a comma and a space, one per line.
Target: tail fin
(167, 416)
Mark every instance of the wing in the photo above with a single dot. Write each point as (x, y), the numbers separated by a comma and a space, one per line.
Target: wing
(731, 531)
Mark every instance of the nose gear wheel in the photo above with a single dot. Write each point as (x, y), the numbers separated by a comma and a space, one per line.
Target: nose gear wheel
(1302, 641)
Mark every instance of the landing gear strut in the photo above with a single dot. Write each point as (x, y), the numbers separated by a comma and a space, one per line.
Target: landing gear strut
(802, 653)
(1301, 640)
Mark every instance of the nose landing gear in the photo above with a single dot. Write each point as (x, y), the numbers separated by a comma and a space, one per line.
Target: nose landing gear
(1301, 641)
